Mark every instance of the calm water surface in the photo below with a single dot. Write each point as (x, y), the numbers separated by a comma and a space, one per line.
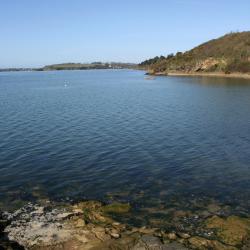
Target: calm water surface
(114, 135)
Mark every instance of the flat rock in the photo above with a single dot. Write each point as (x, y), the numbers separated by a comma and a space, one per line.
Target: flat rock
(174, 246)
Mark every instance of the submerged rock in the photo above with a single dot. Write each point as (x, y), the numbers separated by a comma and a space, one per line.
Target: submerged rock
(148, 242)
(117, 208)
(171, 236)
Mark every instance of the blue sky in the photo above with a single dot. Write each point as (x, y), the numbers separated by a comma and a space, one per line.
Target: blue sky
(34, 33)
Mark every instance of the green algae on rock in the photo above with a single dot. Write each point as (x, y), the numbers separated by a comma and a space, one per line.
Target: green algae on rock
(200, 243)
(232, 230)
(116, 208)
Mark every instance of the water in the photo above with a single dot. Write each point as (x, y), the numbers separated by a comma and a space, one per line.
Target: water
(112, 135)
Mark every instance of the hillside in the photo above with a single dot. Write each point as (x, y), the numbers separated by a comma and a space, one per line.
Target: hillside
(83, 66)
(76, 66)
(228, 54)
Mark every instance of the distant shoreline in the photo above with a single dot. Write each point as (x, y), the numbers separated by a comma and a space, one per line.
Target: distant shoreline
(50, 70)
(217, 74)
(75, 66)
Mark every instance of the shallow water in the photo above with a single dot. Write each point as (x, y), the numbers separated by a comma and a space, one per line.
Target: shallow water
(112, 135)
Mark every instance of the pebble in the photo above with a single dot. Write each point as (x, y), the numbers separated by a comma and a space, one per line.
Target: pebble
(115, 235)
(80, 223)
(172, 236)
(183, 235)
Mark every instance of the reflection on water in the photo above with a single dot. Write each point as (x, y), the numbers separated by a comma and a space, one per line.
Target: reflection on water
(217, 81)
(165, 145)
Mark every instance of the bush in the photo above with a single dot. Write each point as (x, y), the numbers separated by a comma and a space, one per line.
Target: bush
(238, 66)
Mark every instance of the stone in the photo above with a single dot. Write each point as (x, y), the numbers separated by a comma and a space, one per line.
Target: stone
(77, 211)
(103, 236)
(183, 235)
(115, 235)
(95, 228)
(145, 230)
(88, 205)
(200, 243)
(148, 242)
(151, 240)
(126, 242)
(80, 223)
(65, 215)
(213, 208)
(174, 246)
(171, 236)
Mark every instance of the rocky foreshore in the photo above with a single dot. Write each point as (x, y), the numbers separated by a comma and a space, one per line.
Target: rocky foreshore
(90, 225)
(205, 74)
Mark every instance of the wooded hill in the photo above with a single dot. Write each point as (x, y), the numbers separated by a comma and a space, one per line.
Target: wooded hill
(230, 53)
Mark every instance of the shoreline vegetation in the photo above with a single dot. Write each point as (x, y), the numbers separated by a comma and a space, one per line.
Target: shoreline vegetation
(227, 56)
(46, 225)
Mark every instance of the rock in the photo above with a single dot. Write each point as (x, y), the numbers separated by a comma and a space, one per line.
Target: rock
(183, 235)
(151, 240)
(204, 214)
(200, 243)
(124, 243)
(95, 228)
(116, 208)
(232, 230)
(148, 242)
(213, 208)
(181, 240)
(39, 210)
(145, 230)
(98, 217)
(216, 245)
(63, 216)
(88, 205)
(115, 235)
(42, 226)
(171, 236)
(116, 224)
(80, 223)
(174, 246)
(103, 236)
(77, 211)
(181, 213)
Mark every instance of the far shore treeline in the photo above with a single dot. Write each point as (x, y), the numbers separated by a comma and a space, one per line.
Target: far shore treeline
(76, 66)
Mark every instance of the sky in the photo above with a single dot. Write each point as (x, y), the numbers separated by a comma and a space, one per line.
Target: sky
(36, 33)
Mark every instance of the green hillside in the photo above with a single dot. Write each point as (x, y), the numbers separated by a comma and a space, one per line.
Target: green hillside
(230, 53)
(82, 66)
